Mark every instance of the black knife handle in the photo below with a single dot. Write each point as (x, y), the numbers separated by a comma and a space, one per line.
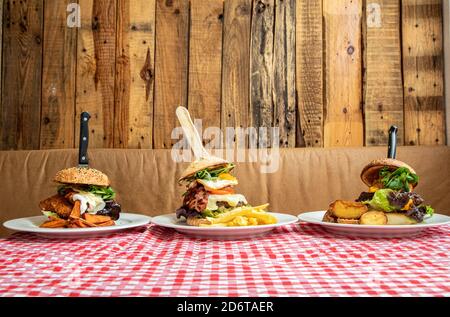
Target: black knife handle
(392, 145)
(84, 138)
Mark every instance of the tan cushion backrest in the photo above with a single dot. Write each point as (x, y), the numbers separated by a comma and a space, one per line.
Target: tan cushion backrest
(146, 180)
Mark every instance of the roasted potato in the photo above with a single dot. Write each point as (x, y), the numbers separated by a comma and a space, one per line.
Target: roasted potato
(394, 218)
(328, 217)
(347, 209)
(348, 221)
(373, 218)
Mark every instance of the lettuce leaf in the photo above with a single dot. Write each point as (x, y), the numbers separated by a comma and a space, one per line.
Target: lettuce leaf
(380, 200)
(106, 193)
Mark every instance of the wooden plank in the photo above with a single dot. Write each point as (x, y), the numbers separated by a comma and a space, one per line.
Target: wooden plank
(95, 70)
(236, 64)
(423, 72)
(383, 91)
(58, 77)
(309, 76)
(133, 118)
(284, 72)
(205, 61)
(343, 84)
(447, 65)
(261, 63)
(21, 71)
(171, 67)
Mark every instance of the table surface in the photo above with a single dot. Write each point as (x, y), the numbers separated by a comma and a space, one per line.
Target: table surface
(296, 260)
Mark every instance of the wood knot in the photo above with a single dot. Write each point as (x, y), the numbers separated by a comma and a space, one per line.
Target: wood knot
(38, 39)
(345, 110)
(95, 24)
(46, 120)
(176, 11)
(169, 3)
(260, 7)
(350, 50)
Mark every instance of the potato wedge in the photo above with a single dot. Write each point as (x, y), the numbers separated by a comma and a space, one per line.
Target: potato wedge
(373, 218)
(347, 209)
(106, 223)
(55, 223)
(95, 219)
(76, 212)
(348, 221)
(394, 218)
(328, 217)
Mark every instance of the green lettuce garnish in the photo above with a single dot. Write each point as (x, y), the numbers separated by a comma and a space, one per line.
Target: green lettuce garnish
(400, 179)
(380, 200)
(212, 174)
(429, 210)
(106, 193)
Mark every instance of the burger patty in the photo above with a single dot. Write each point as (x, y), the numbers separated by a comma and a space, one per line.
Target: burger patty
(62, 205)
(57, 204)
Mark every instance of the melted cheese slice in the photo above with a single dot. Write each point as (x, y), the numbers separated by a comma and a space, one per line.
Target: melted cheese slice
(89, 202)
(232, 200)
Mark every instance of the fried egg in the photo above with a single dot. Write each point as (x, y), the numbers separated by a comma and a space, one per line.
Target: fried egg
(224, 180)
(232, 200)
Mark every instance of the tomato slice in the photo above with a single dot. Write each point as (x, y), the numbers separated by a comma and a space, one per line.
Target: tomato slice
(223, 191)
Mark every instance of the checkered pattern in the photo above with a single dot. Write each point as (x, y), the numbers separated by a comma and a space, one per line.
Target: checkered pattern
(291, 261)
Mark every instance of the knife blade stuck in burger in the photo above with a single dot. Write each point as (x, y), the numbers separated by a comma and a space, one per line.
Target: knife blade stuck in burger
(389, 200)
(84, 197)
(210, 199)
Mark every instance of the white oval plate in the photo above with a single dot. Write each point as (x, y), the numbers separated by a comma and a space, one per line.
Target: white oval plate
(386, 231)
(31, 224)
(223, 233)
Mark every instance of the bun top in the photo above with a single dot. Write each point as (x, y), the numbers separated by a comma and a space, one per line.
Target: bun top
(201, 164)
(81, 176)
(371, 172)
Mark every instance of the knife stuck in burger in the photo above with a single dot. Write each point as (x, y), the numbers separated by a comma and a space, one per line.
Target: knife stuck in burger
(210, 199)
(390, 198)
(84, 196)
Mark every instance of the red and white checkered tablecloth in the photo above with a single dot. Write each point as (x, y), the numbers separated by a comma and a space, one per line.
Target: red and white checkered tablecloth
(292, 261)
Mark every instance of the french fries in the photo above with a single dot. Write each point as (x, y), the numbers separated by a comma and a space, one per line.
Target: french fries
(347, 209)
(373, 218)
(242, 216)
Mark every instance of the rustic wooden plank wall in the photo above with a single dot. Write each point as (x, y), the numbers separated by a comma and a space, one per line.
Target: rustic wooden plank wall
(326, 72)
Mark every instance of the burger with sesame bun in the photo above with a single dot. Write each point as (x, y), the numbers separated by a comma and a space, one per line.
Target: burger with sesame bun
(390, 189)
(390, 198)
(87, 187)
(210, 198)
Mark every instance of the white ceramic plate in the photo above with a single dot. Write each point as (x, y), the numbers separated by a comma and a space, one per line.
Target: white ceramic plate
(386, 231)
(230, 233)
(31, 224)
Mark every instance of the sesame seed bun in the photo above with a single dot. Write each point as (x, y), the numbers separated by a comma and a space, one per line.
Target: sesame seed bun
(81, 176)
(370, 173)
(201, 164)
